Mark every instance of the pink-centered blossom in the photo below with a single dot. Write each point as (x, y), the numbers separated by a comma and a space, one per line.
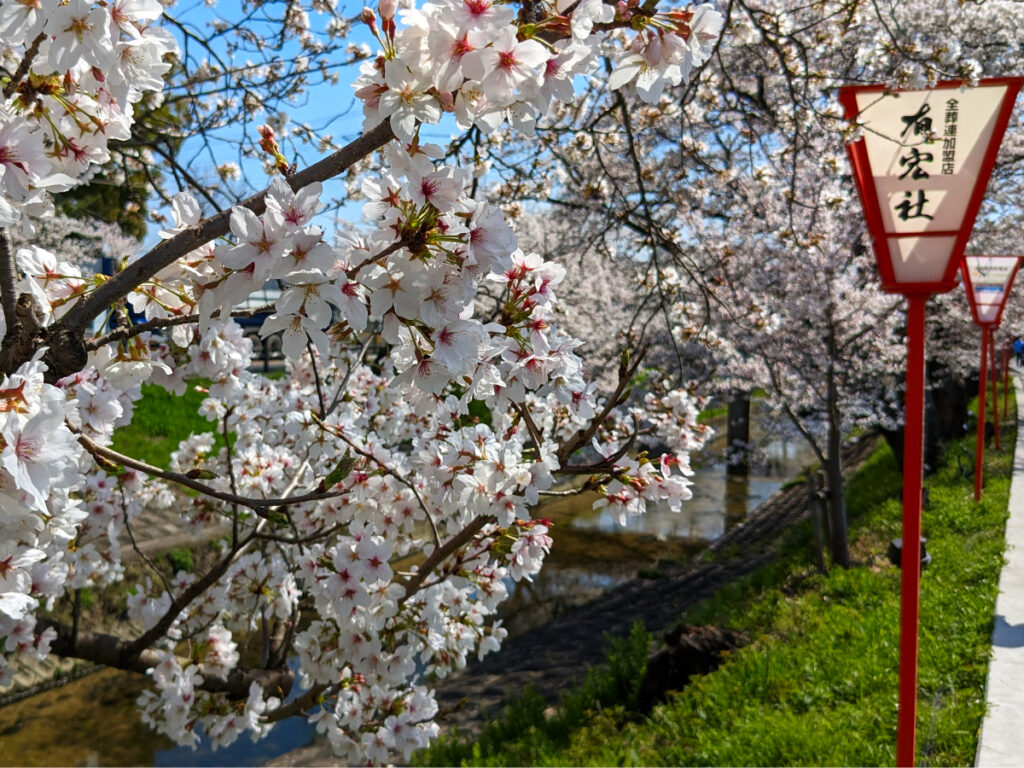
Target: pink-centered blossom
(37, 451)
(507, 65)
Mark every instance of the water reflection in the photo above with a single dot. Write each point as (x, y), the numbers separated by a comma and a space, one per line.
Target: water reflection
(91, 721)
(592, 551)
(94, 721)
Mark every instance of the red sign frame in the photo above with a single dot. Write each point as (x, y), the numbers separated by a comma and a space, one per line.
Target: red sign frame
(863, 175)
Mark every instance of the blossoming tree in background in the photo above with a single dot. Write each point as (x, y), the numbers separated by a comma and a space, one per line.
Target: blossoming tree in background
(735, 193)
(430, 398)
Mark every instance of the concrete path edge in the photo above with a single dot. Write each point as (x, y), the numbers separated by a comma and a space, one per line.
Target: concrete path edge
(1001, 741)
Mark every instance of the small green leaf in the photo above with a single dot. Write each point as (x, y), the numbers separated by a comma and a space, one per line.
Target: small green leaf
(108, 466)
(341, 471)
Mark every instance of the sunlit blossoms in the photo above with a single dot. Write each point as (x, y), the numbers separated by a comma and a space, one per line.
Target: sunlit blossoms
(371, 508)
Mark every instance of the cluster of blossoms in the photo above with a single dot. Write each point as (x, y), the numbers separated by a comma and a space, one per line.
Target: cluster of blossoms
(473, 59)
(87, 64)
(383, 488)
(39, 472)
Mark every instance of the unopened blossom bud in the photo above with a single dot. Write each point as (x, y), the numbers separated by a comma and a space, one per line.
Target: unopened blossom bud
(268, 143)
(681, 21)
(369, 18)
(622, 10)
(447, 99)
(387, 9)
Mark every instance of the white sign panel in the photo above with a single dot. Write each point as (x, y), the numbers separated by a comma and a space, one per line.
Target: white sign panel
(926, 151)
(989, 279)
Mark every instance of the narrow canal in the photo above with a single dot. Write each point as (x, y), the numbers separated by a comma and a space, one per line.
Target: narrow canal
(93, 721)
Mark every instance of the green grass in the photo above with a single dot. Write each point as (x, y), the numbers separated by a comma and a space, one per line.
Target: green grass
(818, 684)
(528, 733)
(161, 421)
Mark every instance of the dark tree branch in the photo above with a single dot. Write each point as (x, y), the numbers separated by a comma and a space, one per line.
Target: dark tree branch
(26, 62)
(112, 651)
(122, 334)
(167, 252)
(435, 558)
(584, 436)
(8, 278)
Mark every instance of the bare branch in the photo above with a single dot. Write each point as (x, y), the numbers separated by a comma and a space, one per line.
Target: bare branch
(112, 651)
(8, 278)
(156, 324)
(435, 558)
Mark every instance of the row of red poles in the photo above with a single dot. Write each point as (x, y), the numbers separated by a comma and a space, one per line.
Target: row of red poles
(986, 373)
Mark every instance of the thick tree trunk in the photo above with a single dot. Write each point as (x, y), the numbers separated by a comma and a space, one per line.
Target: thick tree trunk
(838, 537)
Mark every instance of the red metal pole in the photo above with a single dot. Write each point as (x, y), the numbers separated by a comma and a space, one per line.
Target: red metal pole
(910, 560)
(979, 450)
(995, 387)
(1006, 377)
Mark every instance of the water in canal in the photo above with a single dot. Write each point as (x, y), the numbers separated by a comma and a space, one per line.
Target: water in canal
(93, 721)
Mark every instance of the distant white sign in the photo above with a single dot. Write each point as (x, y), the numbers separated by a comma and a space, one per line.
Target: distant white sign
(988, 280)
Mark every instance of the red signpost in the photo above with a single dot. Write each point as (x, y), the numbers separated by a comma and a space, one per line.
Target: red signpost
(1006, 376)
(994, 373)
(921, 165)
(988, 280)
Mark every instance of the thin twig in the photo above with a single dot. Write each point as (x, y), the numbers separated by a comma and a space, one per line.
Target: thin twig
(142, 555)
(394, 473)
(231, 478)
(316, 379)
(343, 386)
(122, 334)
(259, 506)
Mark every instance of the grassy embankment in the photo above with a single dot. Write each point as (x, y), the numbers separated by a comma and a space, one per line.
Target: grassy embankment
(818, 683)
(161, 421)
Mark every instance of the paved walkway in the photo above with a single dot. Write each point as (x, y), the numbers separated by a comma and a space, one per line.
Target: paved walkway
(1002, 732)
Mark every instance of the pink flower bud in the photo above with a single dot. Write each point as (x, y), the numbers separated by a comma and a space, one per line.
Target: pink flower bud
(369, 18)
(387, 8)
(447, 99)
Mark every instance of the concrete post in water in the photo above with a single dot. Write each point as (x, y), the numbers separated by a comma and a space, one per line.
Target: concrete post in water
(737, 434)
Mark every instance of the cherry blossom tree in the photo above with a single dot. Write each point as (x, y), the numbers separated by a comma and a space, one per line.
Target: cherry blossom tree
(734, 190)
(431, 397)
